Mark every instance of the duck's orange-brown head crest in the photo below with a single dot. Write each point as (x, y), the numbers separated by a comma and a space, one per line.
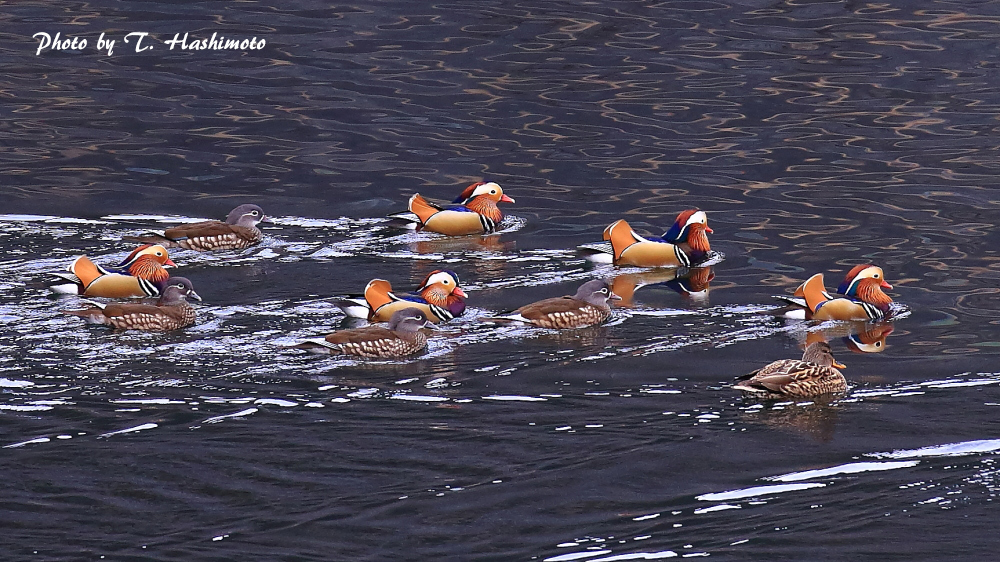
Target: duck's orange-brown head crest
(491, 190)
(155, 252)
(858, 273)
(467, 192)
(442, 279)
(691, 227)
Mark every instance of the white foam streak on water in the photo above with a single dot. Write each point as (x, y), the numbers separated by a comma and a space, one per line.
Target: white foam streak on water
(960, 380)
(638, 556)
(537, 278)
(576, 556)
(956, 384)
(948, 450)
(758, 491)
(662, 313)
(147, 401)
(224, 400)
(418, 398)
(725, 337)
(155, 218)
(48, 219)
(276, 402)
(28, 442)
(10, 383)
(130, 430)
(240, 414)
(714, 508)
(24, 408)
(342, 223)
(850, 468)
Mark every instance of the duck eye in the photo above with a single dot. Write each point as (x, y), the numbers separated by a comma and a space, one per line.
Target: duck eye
(159, 253)
(254, 213)
(878, 344)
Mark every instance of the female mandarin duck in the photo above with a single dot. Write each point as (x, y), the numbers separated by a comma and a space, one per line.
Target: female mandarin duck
(238, 232)
(863, 298)
(684, 245)
(401, 338)
(475, 211)
(171, 311)
(815, 374)
(139, 275)
(440, 297)
(588, 307)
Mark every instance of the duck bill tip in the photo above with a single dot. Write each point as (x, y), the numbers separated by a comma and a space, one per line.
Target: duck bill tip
(506, 198)
(614, 297)
(169, 263)
(839, 365)
(459, 292)
(194, 296)
(885, 285)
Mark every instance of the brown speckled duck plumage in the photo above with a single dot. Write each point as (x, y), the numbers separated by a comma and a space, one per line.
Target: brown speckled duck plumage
(588, 307)
(171, 311)
(813, 375)
(401, 338)
(238, 232)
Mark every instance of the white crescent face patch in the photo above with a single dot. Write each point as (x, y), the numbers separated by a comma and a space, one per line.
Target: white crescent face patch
(698, 218)
(488, 187)
(443, 278)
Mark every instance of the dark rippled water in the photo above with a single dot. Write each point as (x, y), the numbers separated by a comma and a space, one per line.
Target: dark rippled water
(817, 135)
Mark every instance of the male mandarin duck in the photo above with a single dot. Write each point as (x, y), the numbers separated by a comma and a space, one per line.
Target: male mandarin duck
(683, 245)
(171, 311)
(440, 297)
(238, 232)
(474, 211)
(588, 307)
(139, 275)
(815, 374)
(862, 297)
(401, 338)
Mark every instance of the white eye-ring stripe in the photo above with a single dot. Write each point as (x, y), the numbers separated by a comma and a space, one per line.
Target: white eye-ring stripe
(697, 218)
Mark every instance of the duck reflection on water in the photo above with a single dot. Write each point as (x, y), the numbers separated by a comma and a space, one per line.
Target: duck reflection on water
(492, 244)
(691, 283)
(816, 418)
(858, 337)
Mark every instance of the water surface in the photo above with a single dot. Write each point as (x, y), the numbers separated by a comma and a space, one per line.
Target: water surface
(817, 135)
